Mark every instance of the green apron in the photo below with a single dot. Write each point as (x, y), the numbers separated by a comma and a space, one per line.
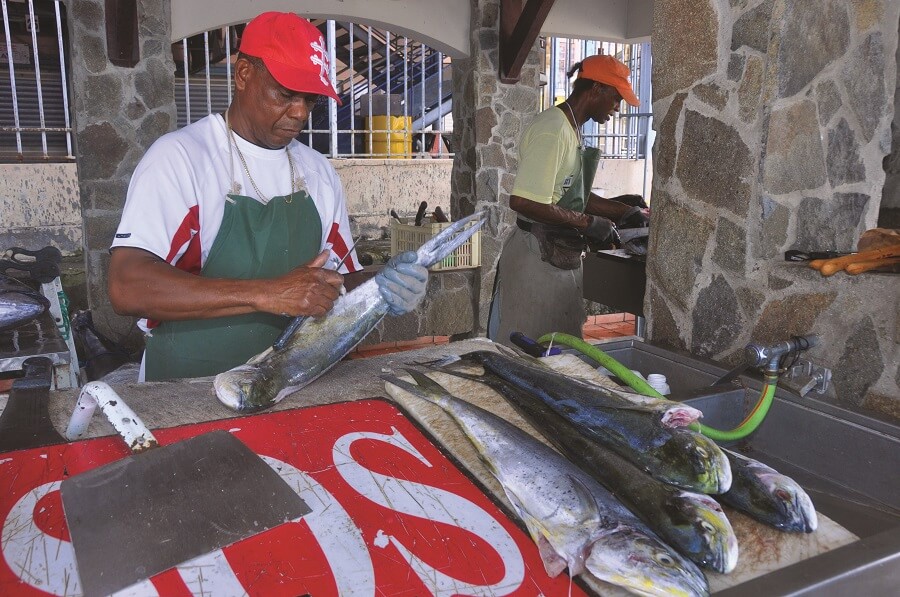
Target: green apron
(575, 197)
(255, 241)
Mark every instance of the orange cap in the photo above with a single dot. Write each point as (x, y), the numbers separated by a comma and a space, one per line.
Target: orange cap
(292, 49)
(608, 70)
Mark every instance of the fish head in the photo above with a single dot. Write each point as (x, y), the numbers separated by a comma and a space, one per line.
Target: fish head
(236, 389)
(690, 451)
(631, 558)
(712, 541)
(798, 512)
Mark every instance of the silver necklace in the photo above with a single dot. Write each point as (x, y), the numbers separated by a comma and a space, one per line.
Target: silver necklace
(574, 123)
(235, 187)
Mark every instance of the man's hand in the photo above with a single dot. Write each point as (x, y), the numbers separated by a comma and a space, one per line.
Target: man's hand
(599, 231)
(306, 290)
(402, 283)
(634, 218)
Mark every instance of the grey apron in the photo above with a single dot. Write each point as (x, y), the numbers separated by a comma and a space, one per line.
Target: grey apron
(530, 295)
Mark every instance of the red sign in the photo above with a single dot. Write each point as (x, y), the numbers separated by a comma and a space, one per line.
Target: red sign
(391, 515)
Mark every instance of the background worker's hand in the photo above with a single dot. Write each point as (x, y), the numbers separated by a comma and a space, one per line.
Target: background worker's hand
(634, 218)
(402, 283)
(306, 290)
(599, 231)
(632, 200)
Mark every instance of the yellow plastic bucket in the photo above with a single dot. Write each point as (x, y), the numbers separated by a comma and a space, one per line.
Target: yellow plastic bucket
(389, 136)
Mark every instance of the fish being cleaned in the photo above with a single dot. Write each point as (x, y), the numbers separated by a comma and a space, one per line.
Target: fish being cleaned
(19, 303)
(768, 496)
(692, 523)
(674, 455)
(320, 343)
(574, 521)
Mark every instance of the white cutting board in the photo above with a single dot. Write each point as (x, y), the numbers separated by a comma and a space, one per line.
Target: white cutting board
(762, 549)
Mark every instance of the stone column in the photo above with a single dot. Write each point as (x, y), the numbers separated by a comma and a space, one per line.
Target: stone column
(488, 118)
(119, 113)
(773, 119)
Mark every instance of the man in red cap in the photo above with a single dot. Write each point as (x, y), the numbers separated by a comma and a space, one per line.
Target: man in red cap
(538, 288)
(231, 226)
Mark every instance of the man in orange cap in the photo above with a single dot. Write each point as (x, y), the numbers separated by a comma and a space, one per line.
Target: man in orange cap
(231, 226)
(538, 288)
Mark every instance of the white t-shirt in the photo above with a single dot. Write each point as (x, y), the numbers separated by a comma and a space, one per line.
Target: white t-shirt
(176, 198)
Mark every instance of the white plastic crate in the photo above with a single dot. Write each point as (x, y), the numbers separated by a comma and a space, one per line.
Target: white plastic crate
(408, 237)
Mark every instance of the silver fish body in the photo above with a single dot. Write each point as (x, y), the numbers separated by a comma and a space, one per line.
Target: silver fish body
(671, 454)
(574, 520)
(321, 343)
(692, 523)
(768, 496)
(19, 304)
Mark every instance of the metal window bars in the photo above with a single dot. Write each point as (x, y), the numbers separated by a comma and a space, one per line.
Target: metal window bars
(626, 135)
(35, 123)
(395, 103)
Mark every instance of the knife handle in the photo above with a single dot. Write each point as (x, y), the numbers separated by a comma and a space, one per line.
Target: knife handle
(832, 266)
(421, 213)
(864, 266)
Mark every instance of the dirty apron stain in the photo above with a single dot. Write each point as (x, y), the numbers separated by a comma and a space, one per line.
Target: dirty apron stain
(530, 295)
(255, 241)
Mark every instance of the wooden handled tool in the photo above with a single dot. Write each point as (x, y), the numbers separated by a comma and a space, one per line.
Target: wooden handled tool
(864, 266)
(828, 267)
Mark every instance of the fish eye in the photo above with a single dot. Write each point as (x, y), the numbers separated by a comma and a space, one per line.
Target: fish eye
(665, 559)
(707, 527)
(782, 494)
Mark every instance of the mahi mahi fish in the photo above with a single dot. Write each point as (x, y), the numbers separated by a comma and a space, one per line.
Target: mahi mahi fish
(574, 521)
(671, 413)
(674, 455)
(768, 496)
(320, 343)
(19, 304)
(692, 523)
(763, 493)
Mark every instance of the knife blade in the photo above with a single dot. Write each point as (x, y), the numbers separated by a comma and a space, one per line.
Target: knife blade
(798, 255)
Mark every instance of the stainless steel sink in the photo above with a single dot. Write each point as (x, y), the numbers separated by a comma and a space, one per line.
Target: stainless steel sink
(848, 462)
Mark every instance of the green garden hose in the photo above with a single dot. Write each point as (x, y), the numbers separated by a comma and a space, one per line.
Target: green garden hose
(639, 385)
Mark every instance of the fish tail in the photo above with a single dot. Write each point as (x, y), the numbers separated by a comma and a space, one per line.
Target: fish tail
(435, 396)
(444, 243)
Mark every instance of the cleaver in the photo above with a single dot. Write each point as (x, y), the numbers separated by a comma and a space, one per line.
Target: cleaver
(162, 506)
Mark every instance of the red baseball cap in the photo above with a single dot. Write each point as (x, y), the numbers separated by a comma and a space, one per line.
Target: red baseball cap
(608, 70)
(292, 49)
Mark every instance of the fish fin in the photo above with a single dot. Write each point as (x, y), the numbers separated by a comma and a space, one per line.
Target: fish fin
(260, 356)
(554, 563)
(444, 361)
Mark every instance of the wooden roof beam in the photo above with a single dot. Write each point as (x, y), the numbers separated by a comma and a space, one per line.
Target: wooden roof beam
(520, 24)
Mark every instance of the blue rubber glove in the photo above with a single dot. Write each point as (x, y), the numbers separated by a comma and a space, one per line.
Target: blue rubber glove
(402, 283)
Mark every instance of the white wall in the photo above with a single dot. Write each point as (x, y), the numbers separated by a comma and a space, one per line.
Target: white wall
(374, 187)
(40, 205)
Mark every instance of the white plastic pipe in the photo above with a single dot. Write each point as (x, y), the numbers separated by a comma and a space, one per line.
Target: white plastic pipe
(136, 435)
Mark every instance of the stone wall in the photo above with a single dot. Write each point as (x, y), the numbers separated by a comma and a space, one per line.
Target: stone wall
(773, 121)
(119, 112)
(889, 216)
(488, 117)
